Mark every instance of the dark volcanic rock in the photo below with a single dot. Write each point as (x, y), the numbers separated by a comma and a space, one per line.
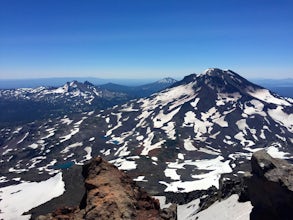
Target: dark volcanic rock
(270, 187)
(111, 194)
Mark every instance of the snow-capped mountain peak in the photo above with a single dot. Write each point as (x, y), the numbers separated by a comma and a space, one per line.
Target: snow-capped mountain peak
(167, 80)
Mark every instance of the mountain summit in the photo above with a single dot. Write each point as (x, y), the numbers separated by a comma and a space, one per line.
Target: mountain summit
(191, 133)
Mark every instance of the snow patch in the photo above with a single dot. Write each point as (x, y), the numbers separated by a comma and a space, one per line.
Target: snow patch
(266, 96)
(71, 146)
(213, 167)
(282, 117)
(228, 209)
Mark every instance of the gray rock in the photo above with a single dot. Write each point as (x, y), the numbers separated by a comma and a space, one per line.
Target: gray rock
(270, 187)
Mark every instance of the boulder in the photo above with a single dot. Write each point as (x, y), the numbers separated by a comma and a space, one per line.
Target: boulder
(270, 187)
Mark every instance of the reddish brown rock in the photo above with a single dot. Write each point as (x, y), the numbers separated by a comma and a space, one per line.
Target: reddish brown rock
(111, 194)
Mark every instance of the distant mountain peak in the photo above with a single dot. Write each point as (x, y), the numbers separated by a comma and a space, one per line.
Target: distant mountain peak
(167, 80)
(88, 83)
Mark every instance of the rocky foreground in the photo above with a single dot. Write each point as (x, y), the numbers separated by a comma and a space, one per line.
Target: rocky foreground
(270, 188)
(112, 194)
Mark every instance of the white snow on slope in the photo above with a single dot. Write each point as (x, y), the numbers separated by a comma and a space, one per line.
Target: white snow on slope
(68, 136)
(256, 108)
(22, 139)
(170, 172)
(140, 179)
(127, 163)
(228, 209)
(188, 145)
(208, 150)
(148, 146)
(33, 146)
(170, 130)
(122, 151)
(162, 118)
(213, 167)
(167, 96)
(187, 211)
(282, 117)
(66, 121)
(266, 96)
(88, 151)
(162, 200)
(71, 146)
(17, 199)
(224, 98)
(119, 123)
(275, 151)
(200, 127)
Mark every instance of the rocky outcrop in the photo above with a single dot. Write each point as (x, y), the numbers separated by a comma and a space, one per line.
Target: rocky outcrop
(270, 187)
(111, 194)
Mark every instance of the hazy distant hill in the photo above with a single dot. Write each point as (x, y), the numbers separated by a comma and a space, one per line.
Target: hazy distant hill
(142, 90)
(57, 82)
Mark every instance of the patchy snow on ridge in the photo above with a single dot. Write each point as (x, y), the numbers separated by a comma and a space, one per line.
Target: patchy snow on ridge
(17, 199)
(213, 167)
(167, 96)
(148, 146)
(224, 98)
(125, 163)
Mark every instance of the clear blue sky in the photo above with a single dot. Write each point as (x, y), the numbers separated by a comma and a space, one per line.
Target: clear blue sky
(145, 38)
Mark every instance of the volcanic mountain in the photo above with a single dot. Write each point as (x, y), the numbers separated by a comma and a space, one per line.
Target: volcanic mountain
(178, 140)
(29, 104)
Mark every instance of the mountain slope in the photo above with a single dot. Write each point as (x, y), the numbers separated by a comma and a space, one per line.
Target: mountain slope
(180, 139)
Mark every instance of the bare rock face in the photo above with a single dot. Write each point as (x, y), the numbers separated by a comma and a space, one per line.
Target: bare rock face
(270, 188)
(111, 194)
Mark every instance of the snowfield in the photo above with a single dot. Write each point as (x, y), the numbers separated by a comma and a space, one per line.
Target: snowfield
(17, 199)
(213, 167)
(228, 209)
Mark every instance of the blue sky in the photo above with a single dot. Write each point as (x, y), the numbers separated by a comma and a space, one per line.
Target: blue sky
(145, 38)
